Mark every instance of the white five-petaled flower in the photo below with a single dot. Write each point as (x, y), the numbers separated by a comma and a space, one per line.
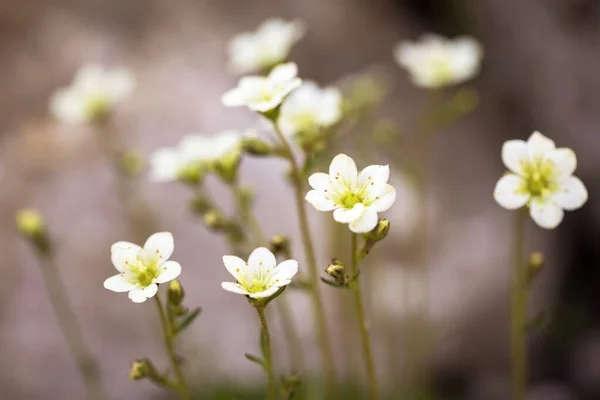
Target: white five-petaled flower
(92, 95)
(435, 61)
(193, 151)
(264, 48)
(261, 93)
(141, 269)
(310, 108)
(355, 198)
(260, 277)
(541, 177)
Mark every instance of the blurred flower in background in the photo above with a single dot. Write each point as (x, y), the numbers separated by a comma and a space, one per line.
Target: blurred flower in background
(264, 48)
(435, 61)
(92, 95)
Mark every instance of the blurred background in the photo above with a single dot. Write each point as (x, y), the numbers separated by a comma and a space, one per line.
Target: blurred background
(539, 73)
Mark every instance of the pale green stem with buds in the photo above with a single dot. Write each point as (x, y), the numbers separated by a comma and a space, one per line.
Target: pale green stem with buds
(266, 340)
(518, 312)
(317, 301)
(362, 321)
(57, 293)
(168, 335)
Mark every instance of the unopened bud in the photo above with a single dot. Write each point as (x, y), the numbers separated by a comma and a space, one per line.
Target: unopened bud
(256, 147)
(30, 223)
(141, 369)
(536, 263)
(280, 244)
(175, 293)
(227, 166)
(337, 270)
(200, 204)
(133, 162)
(191, 174)
(380, 231)
(215, 220)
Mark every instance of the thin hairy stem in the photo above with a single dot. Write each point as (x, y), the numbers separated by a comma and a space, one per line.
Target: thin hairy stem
(266, 340)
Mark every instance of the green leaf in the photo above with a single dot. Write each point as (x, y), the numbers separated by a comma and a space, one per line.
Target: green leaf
(187, 320)
(255, 359)
(334, 284)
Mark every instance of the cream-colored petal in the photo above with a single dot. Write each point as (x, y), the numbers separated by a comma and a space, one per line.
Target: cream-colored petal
(319, 181)
(565, 162)
(385, 199)
(169, 271)
(235, 266)
(150, 290)
(233, 98)
(160, 244)
(320, 201)
(283, 73)
(572, 194)
(124, 254)
(345, 215)
(164, 164)
(343, 171)
(234, 288)
(539, 145)
(137, 295)
(284, 272)
(510, 192)
(377, 175)
(261, 259)
(366, 223)
(515, 154)
(546, 213)
(117, 283)
(266, 293)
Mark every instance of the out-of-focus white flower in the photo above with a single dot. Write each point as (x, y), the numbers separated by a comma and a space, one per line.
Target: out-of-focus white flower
(355, 198)
(264, 48)
(310, 108)
(260, 277)
(92, 95)
(263, 94)
(435, 61)
(141, 269)
(193, 152)
(540, 177)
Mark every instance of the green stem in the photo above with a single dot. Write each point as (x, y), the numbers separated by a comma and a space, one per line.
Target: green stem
(291, 333)
(244, 209)
(317, 301)
(362, 321)
(168, 334)
(266, 337)
(518, 296)
(71, 330)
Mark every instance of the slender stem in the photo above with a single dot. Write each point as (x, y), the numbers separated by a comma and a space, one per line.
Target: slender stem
(71, 330)
(518, 312)
(362, 321)
(244, 209)
(291, 333)
(317, 301)
(266, 339)
(168, 334)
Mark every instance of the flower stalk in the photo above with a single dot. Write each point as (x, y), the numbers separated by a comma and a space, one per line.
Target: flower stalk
(266, 349)
(317, 301)
(364, 330)
(168, 334)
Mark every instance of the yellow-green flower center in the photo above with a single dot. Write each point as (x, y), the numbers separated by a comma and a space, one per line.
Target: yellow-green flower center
(97, 107)
(442, 72)
(257, 283)
(144, 270)
(349, 200)
(540, 177)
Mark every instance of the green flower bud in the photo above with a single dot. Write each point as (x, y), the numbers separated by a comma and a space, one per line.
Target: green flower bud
(192, 174)
(30, 223)
(215, 220)
(175, 293)
(380, 231)
(280, 245)
(536, 263)
(200, 204)
(256, 147)
(227, 166)
(133, 162)
(141, 369)
(337, 270)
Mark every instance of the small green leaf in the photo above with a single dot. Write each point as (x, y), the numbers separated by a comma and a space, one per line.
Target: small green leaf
(334, 284)
(187, 320)
(255, 359)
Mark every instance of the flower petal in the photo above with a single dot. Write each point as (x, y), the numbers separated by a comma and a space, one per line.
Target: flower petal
(343, 172)
(510, 192)
(124, 253)
(572, 194)
(233, 98)
(366, 223)
(164, 164)
(565, 162)
(319, 181)
(319, 201)
(283, 72)
(539, 145)
(284, 273)
(515, 154)
(170, 271)
(265, 293)
(546, 213)
(345, 215)
(376, 174)
(137, 295)
(161, 244)
(234, 288)
(234, 265)
(385, 199)
(150, 290)
(118, 284)
(261, 259)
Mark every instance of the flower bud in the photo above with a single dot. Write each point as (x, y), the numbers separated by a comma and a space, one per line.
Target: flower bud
(535, 265)
(175, 293)
(256, 147)
(380, 231)
(141, 369)
(280, 245)
(200, 204)
(133, 162)
(227, 166)
(191, 174)
(215, 220)
(337, 270)
(30, 223)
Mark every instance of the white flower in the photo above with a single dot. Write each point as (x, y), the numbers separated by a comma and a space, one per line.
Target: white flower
(310, 108)
(355, 198)
(92, 95)
(541, 177)
(141, 269)
(264, 94)
(435, 61)
(260, 277)
(269, 45)
(193, 151)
